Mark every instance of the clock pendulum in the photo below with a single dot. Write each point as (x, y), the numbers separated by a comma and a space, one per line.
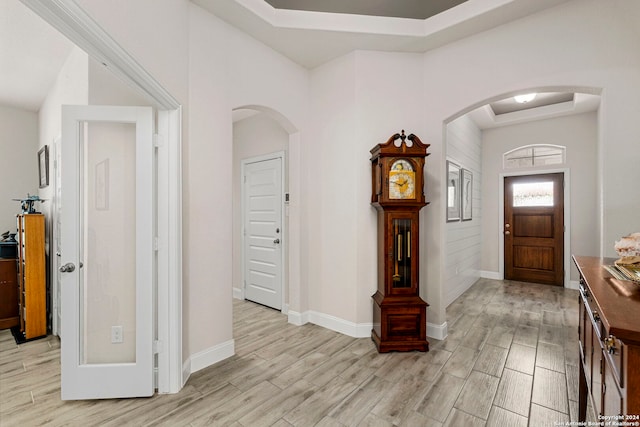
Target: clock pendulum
(399, 314)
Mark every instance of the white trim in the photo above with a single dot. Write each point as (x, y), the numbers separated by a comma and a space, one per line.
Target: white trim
(238, 293)
(186, 371)
(211, 356)
(281, 155)
(495, 275)
(356, 330)
(438, 332)
(169, 261)
(73, 22)
(298, 319)
(573, 284)
(567, 216)
(56, 311)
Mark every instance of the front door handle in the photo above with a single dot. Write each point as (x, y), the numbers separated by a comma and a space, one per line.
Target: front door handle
(67, 268)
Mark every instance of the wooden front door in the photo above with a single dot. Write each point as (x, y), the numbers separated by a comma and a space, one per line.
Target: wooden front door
(534, 228)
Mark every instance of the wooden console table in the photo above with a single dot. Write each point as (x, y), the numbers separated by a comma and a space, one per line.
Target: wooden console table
(609, 340)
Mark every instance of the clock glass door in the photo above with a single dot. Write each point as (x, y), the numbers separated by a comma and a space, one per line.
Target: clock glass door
(402, 180)
(401, 277)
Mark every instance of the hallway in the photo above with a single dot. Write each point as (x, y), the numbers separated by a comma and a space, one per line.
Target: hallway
(511, 359)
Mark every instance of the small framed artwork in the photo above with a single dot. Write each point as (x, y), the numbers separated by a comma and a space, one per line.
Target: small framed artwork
(43, 166)
(467, 194)
(453, 192)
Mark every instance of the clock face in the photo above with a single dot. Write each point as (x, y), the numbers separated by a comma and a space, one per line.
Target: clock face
(402, 180)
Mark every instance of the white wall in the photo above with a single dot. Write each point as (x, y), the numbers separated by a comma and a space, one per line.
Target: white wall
(333, 187)
(70, 88)
(211, 68)
(227, 70)
(354, 106)
(355, 101)
(254, 136)
(579, 43)
(19, 171)
(464, 238)
(579, 134)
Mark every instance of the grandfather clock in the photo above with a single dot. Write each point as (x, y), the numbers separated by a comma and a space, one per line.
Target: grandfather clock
(399, 314)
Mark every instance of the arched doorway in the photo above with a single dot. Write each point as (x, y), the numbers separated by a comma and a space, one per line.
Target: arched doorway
(261, 132)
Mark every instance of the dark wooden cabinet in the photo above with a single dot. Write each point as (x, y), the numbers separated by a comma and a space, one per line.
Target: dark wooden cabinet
(8, 293)
(399, 314)
(609, 341)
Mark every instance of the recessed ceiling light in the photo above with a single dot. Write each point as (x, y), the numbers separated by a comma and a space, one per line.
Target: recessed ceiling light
(521, 99)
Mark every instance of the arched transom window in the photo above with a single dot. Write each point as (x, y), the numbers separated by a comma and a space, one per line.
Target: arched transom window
(534, 155)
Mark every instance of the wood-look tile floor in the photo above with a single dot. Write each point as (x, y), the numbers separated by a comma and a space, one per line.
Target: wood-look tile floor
(511, 359)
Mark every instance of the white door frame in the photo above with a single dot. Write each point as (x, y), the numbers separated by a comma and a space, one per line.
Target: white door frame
(567, 218)
(73, 22)
(54, 255)
(283, 240)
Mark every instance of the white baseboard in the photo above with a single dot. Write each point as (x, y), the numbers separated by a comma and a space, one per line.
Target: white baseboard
(438, 332)
(186, 371)
(573, 284)
(297, 319)
(237, 293)
(356, 330)
(495, 275)
(211, 356)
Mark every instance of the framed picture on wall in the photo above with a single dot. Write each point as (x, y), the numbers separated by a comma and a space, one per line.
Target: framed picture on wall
(467, 194)
(453, 192)
(43, 166)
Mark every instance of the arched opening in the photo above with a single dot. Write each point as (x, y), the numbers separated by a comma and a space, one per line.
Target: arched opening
(261, 135)
(478, 136)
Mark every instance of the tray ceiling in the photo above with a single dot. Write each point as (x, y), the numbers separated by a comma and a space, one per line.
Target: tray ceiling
(415, 9)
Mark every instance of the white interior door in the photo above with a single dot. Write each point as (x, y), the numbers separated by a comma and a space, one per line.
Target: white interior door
(263, 234)
(107, 255)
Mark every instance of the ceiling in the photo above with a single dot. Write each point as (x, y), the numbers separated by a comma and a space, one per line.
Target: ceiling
(32, 52)
(312, 38)
(508, 111)
(415, 9)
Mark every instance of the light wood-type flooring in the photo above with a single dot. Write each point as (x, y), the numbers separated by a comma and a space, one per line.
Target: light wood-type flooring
(511, 359)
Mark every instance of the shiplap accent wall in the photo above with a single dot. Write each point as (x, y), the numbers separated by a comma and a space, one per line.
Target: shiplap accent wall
(463, 238)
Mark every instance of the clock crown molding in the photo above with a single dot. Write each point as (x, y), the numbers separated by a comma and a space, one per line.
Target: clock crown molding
(415, 147)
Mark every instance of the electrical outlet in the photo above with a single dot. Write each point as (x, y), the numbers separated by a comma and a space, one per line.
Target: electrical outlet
(116, 334)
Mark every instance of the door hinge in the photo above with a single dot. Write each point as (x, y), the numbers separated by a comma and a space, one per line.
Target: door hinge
(158, 347)
(158, 140)
(156, 243)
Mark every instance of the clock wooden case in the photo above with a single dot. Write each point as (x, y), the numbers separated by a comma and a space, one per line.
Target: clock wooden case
(399, 314)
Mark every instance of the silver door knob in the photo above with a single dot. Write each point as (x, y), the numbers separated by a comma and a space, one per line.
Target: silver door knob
(276, 241)
(507, 232)
(67, 268)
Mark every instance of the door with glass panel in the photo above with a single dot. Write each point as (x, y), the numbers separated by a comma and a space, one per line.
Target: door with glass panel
(534, 228)
(106, 252)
